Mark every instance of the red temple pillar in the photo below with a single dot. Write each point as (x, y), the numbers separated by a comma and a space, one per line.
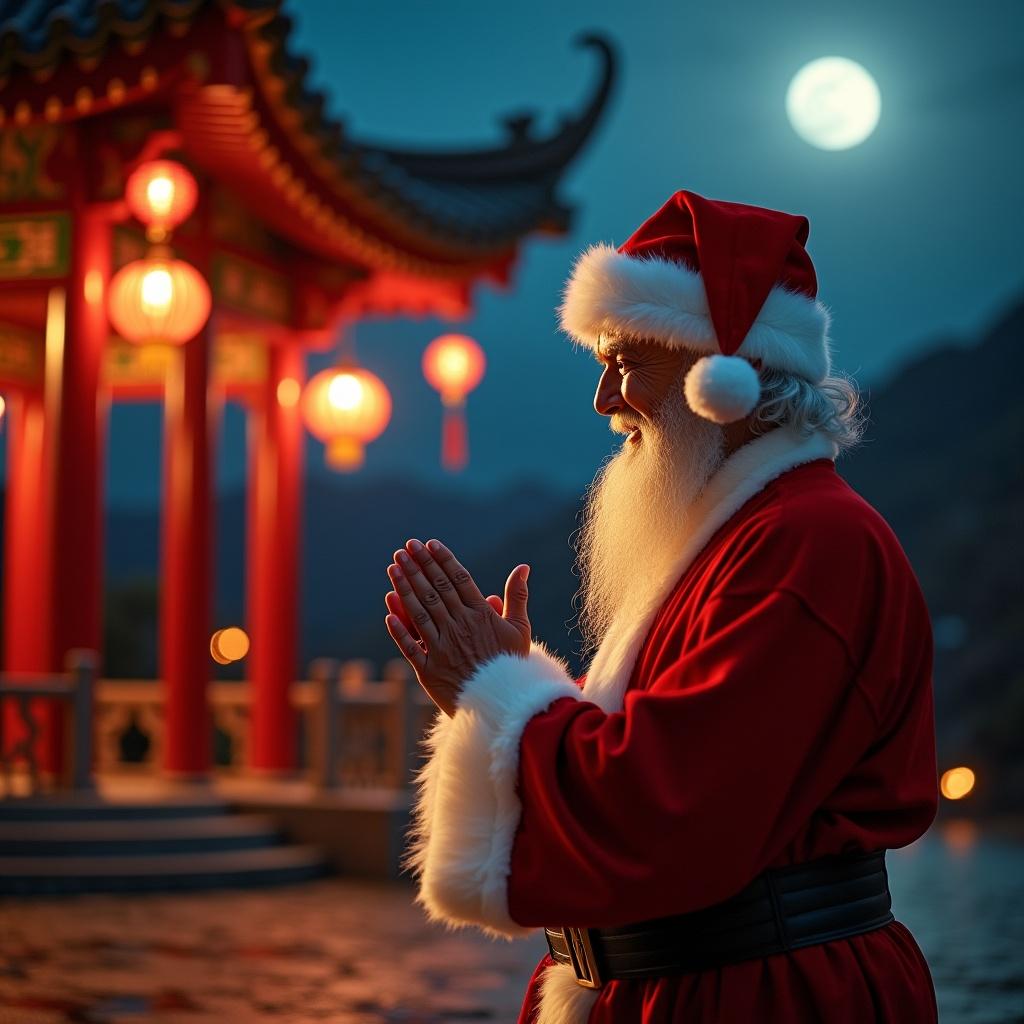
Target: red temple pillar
(185, 584)
(53, 555)
(274, 502)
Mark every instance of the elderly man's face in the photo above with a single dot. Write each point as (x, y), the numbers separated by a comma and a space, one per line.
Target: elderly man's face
(635, 380)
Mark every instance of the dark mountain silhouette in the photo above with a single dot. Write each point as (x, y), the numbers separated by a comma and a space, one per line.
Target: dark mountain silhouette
(349, 533)
(945, 465)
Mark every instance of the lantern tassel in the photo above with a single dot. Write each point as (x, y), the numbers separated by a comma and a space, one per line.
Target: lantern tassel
(454, 439)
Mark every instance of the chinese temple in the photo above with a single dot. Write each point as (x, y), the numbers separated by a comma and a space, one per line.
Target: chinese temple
(297, 229)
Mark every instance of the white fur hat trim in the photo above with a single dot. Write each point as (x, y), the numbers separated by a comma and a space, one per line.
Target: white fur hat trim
(665, 301)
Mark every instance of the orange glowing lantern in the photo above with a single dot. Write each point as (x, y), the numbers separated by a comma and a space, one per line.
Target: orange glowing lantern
(161, 193)
(454, 365)
(346, 407)
(158, 299)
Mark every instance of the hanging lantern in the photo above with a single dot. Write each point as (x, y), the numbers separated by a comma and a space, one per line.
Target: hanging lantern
(454, 365)
(346, 407)
(158, 299)
(161, 194)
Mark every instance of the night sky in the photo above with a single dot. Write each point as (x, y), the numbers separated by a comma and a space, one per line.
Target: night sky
(915, 233)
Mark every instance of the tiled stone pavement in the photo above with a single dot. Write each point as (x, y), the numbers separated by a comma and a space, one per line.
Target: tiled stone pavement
(337, 950)
(358, 953)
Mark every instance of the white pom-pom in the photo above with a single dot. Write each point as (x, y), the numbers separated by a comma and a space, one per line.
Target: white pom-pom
(722, 388)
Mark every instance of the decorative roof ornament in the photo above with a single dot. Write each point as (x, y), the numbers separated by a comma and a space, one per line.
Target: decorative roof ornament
(460, 213)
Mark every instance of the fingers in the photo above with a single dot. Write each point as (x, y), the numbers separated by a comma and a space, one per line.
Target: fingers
(453, 570)
(516, 598)
(418, 615)
(395, 606)
(496, 603)
(426, 575)
(412, 651)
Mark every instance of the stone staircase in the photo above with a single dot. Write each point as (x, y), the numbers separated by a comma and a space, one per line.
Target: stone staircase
(60, 845)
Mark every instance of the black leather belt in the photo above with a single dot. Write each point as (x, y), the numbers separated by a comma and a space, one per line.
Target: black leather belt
(782, 909)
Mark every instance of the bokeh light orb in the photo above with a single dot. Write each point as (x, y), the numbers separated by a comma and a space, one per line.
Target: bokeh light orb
(833, 103)
(289, 390)
(956, 783)
(228, 645)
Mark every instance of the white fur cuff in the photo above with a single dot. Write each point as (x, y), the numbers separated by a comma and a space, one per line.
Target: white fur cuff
(467, 810)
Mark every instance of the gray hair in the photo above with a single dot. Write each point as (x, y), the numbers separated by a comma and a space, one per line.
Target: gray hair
(835, 406)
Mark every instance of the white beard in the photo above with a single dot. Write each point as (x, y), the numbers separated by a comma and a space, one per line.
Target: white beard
(636, 511)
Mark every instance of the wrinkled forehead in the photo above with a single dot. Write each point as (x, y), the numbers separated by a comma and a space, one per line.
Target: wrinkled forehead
(609, 343)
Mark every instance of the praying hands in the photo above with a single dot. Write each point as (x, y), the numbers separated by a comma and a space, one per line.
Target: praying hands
(444, 626)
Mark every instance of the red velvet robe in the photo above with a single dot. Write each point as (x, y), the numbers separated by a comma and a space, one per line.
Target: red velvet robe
(776, 708)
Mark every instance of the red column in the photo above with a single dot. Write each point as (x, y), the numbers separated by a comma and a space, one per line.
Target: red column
(28, 554)
(185, 561)
(274, 502)
(53, 554)
(28, 551)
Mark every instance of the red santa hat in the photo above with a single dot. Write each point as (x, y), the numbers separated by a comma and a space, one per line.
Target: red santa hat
(731, 281)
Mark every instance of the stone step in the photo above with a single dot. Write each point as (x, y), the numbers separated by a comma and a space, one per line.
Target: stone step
(34, 876)
(92, 807)
(145, 836)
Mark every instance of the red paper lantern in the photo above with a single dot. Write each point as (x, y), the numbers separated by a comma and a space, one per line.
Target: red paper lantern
(454, 365)
(158, 299)
(161, 194)
(346, 407)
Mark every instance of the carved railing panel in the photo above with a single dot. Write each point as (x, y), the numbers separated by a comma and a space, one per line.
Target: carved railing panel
(353, 731)
(24, 699)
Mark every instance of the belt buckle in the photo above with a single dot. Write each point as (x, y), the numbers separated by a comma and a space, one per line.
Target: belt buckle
(581, 955)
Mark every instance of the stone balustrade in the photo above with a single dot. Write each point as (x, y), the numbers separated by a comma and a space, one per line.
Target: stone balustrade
(354, 731)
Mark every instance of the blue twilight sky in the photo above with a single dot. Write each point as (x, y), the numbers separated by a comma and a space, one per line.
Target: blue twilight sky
(915, 234)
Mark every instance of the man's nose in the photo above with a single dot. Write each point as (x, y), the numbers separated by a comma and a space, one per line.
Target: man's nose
(608, 399)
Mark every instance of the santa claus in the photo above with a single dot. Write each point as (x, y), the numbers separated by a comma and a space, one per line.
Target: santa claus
(700, 823)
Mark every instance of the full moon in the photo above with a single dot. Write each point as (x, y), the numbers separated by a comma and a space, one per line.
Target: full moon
(833, 103)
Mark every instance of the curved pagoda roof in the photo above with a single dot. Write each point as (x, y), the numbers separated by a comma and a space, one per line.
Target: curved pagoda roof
(236, 101)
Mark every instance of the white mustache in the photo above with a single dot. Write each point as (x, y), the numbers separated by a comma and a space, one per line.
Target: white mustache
(618, 425)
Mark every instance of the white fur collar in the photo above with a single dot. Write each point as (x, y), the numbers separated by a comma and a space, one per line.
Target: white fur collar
(745, 473)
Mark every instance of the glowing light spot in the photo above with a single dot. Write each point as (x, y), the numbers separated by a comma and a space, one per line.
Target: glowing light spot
(957, 783)
(454, 362)
(288, 392)
(160, 195)
(228, 645)
(3, 407)
(345, 391)
(157, 291)
(93, 287)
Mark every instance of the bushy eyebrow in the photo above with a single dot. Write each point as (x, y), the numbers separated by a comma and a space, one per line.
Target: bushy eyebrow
(612, 347)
